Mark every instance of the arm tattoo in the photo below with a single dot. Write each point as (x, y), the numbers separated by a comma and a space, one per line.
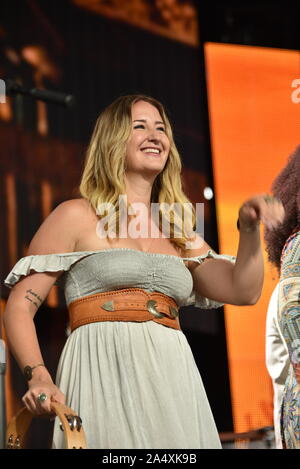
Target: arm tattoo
(32, 300)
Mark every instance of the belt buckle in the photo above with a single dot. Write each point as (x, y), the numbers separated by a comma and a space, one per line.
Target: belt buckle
(173, 311)
(151, 307)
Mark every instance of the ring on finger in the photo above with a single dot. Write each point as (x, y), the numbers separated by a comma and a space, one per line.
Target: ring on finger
(42, 397)
(269, 198)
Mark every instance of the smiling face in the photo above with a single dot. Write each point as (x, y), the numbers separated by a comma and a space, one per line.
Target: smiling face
(148, 146)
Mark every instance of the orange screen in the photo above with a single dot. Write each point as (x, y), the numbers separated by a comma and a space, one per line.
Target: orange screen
(254, 120)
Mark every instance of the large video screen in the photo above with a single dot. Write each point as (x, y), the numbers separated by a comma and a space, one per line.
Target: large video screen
(254, 111)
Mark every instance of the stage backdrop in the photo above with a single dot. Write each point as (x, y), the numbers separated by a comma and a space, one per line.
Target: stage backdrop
(254, 108)
(98, 51)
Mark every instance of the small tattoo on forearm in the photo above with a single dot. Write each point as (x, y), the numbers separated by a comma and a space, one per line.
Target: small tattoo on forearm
(32, 300)
(27, 298)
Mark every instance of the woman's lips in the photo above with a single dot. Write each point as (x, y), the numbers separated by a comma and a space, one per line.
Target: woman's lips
(151, 151)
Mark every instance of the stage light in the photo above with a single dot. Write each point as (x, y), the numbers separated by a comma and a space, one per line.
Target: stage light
(208, 193)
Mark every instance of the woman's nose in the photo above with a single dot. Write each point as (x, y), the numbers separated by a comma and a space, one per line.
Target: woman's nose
(153, 135)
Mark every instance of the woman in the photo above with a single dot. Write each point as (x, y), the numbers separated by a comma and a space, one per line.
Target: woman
(133, 380)
(283, 247)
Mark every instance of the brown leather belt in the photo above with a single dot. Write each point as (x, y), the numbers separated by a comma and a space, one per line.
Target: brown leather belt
(130, 304)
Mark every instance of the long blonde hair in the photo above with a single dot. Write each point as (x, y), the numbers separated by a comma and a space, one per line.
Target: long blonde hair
(103, 181)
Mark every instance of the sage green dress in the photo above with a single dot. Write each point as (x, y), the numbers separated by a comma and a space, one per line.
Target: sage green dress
(135, 385)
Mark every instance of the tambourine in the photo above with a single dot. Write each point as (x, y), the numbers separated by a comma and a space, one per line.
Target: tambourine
(71, 425)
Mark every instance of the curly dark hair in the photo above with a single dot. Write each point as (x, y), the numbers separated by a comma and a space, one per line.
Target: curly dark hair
(286, 188)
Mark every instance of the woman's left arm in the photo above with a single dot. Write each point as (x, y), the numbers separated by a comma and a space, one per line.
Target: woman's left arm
(240, 283)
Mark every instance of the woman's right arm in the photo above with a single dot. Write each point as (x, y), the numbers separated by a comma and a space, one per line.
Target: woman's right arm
(22, 305)
(57, 234)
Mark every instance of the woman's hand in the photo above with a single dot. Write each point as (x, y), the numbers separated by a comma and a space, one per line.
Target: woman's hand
(263, 208)
(40, 387)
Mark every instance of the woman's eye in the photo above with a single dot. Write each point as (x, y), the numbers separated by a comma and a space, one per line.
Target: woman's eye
(141, 126)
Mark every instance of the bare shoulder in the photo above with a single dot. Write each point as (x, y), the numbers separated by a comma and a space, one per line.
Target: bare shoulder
(74, 209)
(60, 230)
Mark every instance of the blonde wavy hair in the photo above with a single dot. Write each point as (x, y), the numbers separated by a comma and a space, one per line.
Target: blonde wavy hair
(102, 180)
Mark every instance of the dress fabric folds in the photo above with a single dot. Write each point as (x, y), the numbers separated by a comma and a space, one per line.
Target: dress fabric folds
(135, 385)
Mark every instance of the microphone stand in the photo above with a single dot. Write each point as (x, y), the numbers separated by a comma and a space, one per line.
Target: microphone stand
(63, 99)
(2, 394)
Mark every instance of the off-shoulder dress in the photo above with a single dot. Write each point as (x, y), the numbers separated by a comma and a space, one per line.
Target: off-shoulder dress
(134, 384)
